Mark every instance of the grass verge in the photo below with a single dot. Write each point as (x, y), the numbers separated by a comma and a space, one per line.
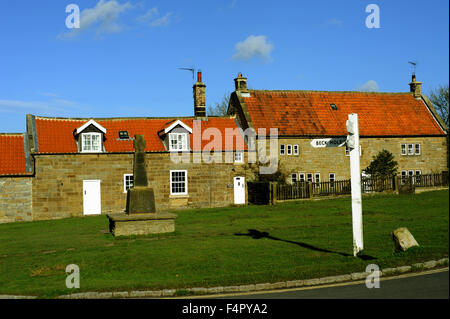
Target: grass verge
(221, 246)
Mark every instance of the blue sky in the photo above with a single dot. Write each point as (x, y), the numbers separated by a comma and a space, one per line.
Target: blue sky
(124, 59)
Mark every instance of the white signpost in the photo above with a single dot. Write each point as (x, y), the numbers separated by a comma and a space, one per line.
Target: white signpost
(353, 145)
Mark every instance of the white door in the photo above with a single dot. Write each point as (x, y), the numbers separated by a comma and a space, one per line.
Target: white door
(239, 190)
(91, 197)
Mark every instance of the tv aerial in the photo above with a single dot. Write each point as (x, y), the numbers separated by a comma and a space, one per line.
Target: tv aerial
(189, 69)
(414, 64)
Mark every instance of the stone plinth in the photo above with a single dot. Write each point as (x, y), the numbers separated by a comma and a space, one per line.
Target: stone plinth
(140, 200)
(123, 224)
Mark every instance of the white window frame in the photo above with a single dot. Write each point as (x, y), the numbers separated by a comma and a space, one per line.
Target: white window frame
(410, 173)
(403, 149)
(125, 181)
(332, 179)
(315, 177)
(239, 157)
(292, 178)
(418, 172)
(185, 182)
(404, 175)
(296, 149)
(289, 149)
(282, 149)
(411, 149)
(301, 177)
(415, 149)
(100, 146)
(184, 146)
(308, 179)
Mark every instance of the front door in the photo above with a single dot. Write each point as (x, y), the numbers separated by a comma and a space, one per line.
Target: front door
(239, 190)
(91, 197)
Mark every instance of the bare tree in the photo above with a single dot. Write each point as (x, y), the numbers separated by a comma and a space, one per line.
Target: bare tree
(440, 99)
(221, 108)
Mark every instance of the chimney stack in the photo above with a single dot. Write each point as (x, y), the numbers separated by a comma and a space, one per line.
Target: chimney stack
(199, 98)
(240, 83)
(415, 87)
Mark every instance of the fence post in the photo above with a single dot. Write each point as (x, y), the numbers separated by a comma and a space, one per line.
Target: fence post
(274, 193)
(394, 183)
(310, 186)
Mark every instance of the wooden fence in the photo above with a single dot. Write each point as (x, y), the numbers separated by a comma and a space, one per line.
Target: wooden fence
(302, 190)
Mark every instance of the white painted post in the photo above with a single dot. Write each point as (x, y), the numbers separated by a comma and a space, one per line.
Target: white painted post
(353, 145)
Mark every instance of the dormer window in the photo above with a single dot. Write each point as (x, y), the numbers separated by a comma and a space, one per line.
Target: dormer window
(91, 142)
(90, 137)
(178, 142)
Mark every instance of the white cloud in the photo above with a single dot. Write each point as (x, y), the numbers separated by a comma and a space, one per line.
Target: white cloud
(161, 22)
(103, 18)
(253, 46)
(369, 86)
(148, 15)
(52, 106)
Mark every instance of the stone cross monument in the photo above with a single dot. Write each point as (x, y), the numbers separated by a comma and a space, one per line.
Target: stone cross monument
(140, 198)
(140, 216)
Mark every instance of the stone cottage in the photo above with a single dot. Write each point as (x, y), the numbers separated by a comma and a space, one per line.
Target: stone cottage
(406, 124)
(65, 167)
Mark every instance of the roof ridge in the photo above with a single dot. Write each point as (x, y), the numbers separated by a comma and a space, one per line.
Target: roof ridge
(113, 118)
(11, 134)
(170, 118)
(321, 91)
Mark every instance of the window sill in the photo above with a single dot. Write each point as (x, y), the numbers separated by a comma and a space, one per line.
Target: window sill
(179, 196)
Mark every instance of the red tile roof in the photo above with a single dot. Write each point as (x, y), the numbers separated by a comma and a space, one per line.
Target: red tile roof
(309, 113)
(12, 154)
(56, 135)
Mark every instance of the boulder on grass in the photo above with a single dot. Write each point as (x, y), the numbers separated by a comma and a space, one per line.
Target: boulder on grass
(403, 239)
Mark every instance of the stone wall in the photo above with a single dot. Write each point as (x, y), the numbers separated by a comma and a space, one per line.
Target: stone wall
(432, 159)
(58, 183)
(15, 199)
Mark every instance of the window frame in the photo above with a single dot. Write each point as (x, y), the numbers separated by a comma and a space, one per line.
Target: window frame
(308, 179)
(301, 177)
(295, 149)
(415, 149)
(83, 136)
(296, 178)
(412, 149)
(331, 180)
(404, 151)
(289, 149)
(241, 160)
(282, 149)
(185, 181)
(185, 145)
(125, 190)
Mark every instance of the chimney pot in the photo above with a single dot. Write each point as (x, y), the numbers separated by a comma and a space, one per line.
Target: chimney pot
(199, 76)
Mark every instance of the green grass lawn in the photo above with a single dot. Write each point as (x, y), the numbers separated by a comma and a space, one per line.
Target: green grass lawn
(221, 246)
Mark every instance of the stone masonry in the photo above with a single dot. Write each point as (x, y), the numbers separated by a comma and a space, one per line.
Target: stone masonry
(58, 183)
(15, 199)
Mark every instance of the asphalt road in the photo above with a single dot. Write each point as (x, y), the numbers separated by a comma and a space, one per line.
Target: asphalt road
(428, 285)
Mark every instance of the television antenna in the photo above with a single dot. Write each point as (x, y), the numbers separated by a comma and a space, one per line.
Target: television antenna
(414, 64)
(189, 69)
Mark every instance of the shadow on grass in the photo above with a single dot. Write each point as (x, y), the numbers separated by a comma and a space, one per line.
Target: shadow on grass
(256, 234)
